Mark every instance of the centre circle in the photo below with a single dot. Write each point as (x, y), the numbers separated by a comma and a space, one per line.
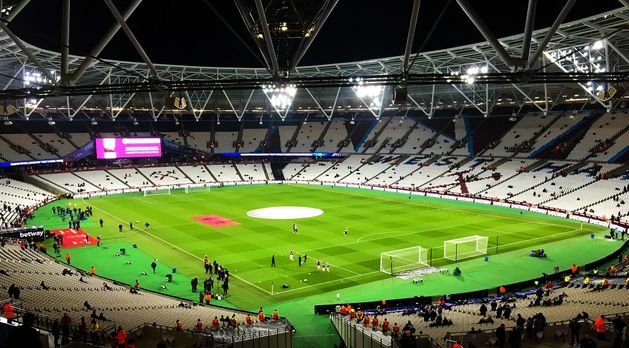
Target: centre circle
(284, 213)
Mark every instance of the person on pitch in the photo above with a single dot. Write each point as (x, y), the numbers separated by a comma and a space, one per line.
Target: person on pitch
(345, 231)
(291, 255)
(295, 228)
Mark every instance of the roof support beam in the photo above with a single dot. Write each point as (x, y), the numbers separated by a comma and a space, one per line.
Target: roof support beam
(410, 36)
(96, 50)
(486, 32)
(528, 29)
(245, 15)
(65, 39)
(132, 38)
(305, 43)
(275, 69)
(551, 31)
(625, 3)
(27, 52)
(16, 10)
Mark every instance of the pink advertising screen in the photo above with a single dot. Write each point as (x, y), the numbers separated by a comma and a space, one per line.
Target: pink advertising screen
(113, 148)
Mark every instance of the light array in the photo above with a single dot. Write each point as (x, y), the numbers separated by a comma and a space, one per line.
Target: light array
(585, 59)
(281, 97)
(35, 77)
(468, 76)
(370, 94)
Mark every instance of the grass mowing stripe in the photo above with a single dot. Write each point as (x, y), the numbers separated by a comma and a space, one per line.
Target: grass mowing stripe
(180, 249)
(378, 221)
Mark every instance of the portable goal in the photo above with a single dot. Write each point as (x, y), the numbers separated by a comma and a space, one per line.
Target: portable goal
(464, 248)
(403, 260)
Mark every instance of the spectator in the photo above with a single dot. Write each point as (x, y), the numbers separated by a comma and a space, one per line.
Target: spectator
(121, 337)
(65, 322)
(8, 312)
(575, 329)
(501, 335)
(94, 331)
(599, 327)
(483, 310)
(83, 330)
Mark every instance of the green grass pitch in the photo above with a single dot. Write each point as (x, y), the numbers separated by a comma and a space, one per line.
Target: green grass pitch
(377, 222)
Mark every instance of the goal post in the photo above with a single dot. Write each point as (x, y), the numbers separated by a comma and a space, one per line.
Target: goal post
(156, 191)
(191, 189)
(403, 260)
(464, 248)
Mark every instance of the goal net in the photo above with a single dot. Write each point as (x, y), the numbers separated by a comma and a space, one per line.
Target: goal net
(403, 260)
(191, 189)
(156, 191)
(466, 247)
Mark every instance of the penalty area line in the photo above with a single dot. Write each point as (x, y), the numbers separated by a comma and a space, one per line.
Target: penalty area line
(183, 251)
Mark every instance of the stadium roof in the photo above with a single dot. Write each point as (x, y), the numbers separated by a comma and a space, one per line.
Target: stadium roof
(593, 51)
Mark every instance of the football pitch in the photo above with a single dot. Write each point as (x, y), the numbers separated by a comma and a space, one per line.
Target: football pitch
(180, 234)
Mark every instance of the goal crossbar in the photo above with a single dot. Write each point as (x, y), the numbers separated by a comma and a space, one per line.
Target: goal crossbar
(465, 247)
(403, 260)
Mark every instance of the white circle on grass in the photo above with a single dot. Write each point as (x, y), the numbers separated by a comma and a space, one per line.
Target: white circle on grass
(284, 213)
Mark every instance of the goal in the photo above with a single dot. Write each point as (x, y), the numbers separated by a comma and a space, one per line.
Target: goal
(156, 191)
(403, 260)
(191, 189)
(466, 247)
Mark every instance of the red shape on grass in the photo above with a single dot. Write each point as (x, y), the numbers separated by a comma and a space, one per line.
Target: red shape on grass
(74, 237)
(215, 220)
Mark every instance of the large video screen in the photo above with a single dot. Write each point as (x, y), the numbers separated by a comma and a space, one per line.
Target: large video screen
(113, 148)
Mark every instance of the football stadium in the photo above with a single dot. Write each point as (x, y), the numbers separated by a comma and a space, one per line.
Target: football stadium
(288, 173)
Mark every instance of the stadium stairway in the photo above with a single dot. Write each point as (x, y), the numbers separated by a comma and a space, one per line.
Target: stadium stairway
(499, 182)
(572, 168)
(535, 164)
(144, 176)
(541, 132)
(87, 181)
(463, 161)
(45, 184)
(407, 175)
(498, 139)
(210, 172)
(397, 162)
(376, 136)
(293, 138)
(299, 171)
(618, 171)
(568, 139)
(567, 192)
(498, 163)
(46, 147)
(366, 162)
(404, 138)
(16, 148)
(117, 178)
(237, 171)
(441, 131)
(184, 174)
(321, 137)
(266, 173)
(239, 136)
